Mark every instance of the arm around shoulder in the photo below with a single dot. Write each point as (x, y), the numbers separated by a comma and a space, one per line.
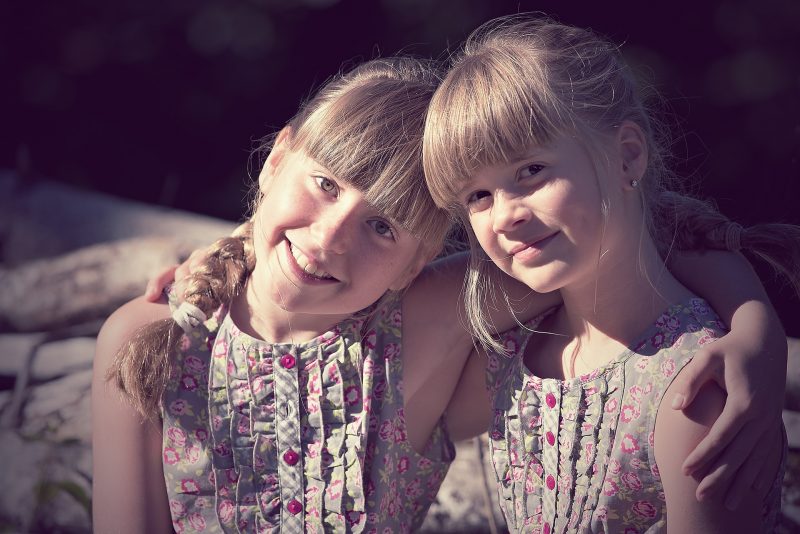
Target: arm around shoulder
(677, 432)
(129, 493)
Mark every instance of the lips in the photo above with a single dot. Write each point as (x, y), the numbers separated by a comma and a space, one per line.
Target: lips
(309, 267)
(533, 247)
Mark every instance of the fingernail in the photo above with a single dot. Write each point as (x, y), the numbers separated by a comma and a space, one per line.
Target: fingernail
(677, 401)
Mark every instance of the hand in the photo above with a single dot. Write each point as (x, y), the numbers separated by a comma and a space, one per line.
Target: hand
(174, 273)
(752, 370)
(155, 286)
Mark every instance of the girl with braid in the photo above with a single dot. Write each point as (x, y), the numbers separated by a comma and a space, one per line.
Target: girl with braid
(299, 379)
(539, 140)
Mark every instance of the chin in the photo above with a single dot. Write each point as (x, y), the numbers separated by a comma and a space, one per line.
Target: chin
(541, 280)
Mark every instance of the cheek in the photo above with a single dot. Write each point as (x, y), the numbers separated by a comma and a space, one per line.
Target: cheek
(481, 225)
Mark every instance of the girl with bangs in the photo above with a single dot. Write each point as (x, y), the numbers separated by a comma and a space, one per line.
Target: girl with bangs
(302, 382)
(540, 141)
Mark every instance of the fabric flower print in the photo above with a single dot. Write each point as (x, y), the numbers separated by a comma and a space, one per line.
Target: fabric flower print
(403, 464)
(370, 340)
(226, 510)
(644, 509)
(699, 307)
(386, 430)
(193, 454)
(188, 382)
(610, 488)
(352, 395)
(171, 456)
(189, 485)
(197, 522)
(629, 413)
(631, 481)
(629, 444)
(668, 367)
(178, 407)
(391, 351)
(176, 436)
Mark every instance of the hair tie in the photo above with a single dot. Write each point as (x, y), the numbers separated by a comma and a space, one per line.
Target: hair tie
(733, 236)
(188, 316)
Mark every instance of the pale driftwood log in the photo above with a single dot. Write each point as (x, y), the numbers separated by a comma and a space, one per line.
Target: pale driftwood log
(87, 284)
(44, 219)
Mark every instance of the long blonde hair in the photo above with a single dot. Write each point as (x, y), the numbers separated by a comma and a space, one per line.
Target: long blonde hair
(365, 126)
(524, 80)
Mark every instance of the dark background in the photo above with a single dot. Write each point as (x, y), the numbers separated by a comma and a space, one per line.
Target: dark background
(162, 101)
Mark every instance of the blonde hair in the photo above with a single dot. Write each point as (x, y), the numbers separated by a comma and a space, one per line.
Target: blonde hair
(524, 80)
(365, 126)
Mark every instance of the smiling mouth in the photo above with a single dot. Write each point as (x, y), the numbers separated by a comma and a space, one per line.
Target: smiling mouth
(306, 268)
(533, 248)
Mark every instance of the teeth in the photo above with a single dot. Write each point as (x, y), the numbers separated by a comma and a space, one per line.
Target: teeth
(307, 265)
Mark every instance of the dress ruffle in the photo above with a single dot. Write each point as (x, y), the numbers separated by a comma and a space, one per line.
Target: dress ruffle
(307, 437)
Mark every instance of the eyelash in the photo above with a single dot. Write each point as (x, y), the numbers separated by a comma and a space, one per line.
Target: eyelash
(389, 230)
(537, 166)
(322, 181)
(534, 168)
(325, 180)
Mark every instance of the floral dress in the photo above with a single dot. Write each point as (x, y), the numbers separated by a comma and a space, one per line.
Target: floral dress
(577, 455)
(291, 438)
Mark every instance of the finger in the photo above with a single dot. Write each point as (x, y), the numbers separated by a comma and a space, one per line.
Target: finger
(157, 284)
(185, 269)
(182, 271)
(721, 434)
(721, 474)
(744, 480)
(766, 476)
(703, 368)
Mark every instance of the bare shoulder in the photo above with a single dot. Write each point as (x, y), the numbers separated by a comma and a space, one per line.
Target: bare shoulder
(128, 482)
(677, 433)
(434, 298)
(124, 322)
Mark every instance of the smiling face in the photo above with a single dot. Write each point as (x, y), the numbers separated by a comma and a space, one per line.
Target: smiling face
(321, 249)
(539, 217)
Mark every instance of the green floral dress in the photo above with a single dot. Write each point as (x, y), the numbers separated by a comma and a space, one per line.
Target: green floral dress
(310, 437)
(577, 455)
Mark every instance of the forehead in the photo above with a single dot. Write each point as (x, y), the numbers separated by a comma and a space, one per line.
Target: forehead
(305, 163)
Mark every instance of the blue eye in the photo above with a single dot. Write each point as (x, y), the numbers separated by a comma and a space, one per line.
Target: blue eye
(382, 228)
(327, 185)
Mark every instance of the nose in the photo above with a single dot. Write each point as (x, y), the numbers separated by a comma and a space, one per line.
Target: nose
(508, 212)
(333, 230)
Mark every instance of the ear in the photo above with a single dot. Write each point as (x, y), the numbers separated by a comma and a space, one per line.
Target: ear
(632, 146)
(279, 150)
(404, 280)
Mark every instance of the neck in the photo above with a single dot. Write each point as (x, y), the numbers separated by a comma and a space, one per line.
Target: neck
(618, 301)
(262, 318)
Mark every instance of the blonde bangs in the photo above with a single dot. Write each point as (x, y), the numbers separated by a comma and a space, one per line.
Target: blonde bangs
(484, 113)
(371, 137)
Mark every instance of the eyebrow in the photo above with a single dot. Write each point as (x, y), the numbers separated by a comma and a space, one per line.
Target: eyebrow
(516, 159)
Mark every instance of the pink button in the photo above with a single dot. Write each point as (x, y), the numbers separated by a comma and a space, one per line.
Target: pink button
(288, 361)
(291, 457)
(551, 439)
(551, 482)
(546, 529)
(550, 399)
(294, 506)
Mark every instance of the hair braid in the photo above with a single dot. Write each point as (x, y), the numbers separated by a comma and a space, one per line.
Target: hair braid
(698, 225)
(142, 367)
